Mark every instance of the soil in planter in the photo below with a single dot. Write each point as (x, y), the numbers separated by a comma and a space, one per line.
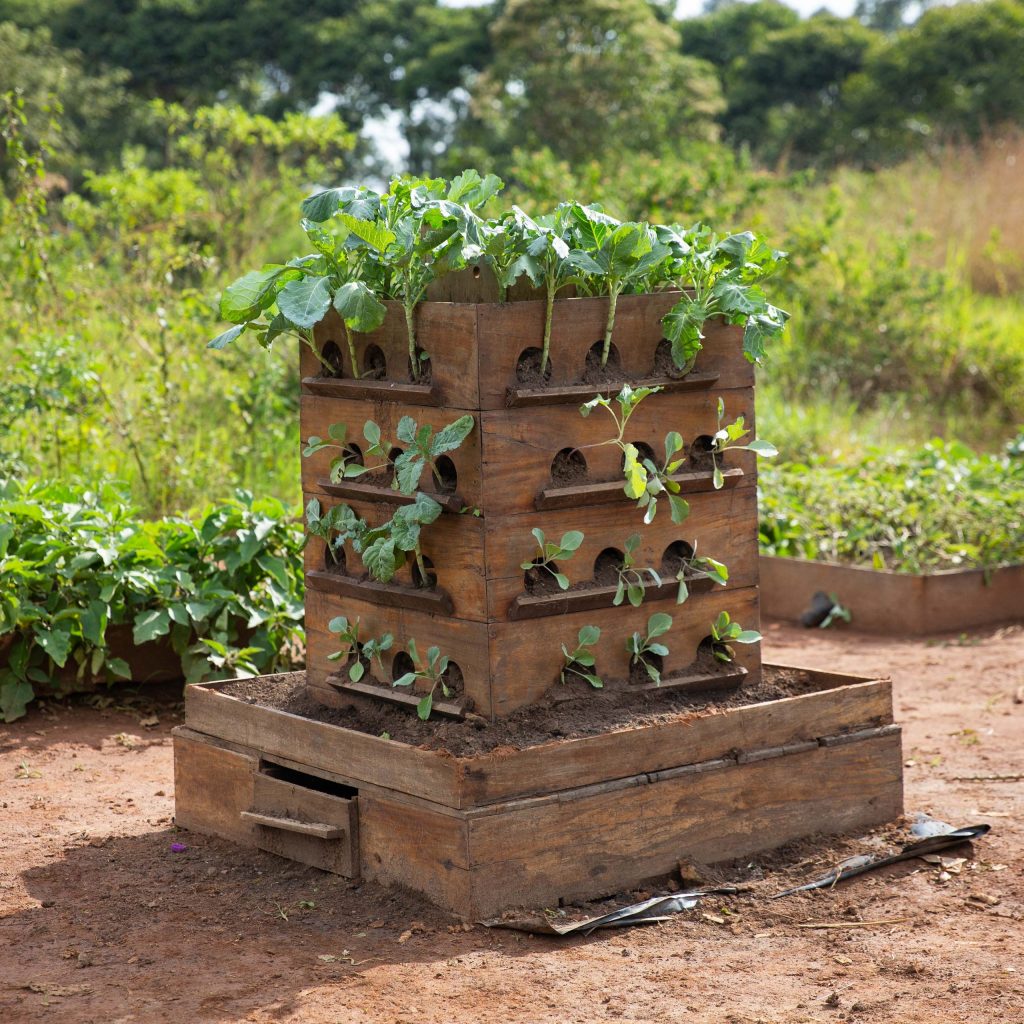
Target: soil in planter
(538, 582)
(568, 467)
(569, 711)
(638, 674)
(528, 371)
(426, 371)
(595, 373)
(664, 365)
(701, 454)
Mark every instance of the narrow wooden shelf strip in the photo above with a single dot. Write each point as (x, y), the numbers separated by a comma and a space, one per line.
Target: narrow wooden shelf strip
(305, 828)
(389, 595)
(519, 397)
(356, 490)
(372, 390)
(611, 491)
(447, 708)
(529, 606)
(702, 681)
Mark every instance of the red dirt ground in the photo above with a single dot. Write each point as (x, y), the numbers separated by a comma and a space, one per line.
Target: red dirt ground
(101, 922)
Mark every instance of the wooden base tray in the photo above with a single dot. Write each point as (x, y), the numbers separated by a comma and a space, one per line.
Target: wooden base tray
(895, 603)
(564, 819)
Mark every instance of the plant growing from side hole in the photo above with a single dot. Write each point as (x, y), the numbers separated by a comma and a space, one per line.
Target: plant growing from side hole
(725, 633)
(333, 527)
(345, 465)
(424, 448)
(431, 670)
(645, 480)
(363, 651)
(723, 442)
(631, 579)
(579, 660)
(641, 647)
(549, 551)
(699, 568)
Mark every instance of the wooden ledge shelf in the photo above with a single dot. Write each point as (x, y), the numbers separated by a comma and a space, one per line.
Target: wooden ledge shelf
(567, 393)
(529, 606)
(372, 390)
(390, 595)
(445, 708)
(355, 490)
(699, 681)
(611, 491)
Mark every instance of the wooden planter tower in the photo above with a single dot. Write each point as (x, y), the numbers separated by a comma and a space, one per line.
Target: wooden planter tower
(570, 817)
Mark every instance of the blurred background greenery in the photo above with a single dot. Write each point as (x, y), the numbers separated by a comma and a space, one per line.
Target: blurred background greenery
(151, 149)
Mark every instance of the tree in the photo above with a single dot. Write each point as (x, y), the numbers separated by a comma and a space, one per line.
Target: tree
(591, 74)
(729, 31)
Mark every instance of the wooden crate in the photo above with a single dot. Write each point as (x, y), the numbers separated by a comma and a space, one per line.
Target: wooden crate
(565, 819)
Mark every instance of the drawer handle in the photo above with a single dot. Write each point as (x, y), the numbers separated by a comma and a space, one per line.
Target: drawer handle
(306, 828)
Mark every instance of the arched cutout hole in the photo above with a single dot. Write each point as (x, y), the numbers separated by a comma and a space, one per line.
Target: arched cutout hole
(539, 581)
(423, 364)
(644, 451)
(528, 370)
(393, 456)
(607, 566)
(664, 366)
(353, 453)
(677, 555)
(453, 680)
(334, 560)
(417, 577)
(400, 664)
(708, 661)
(447, 479)
(700, 452)
(332, 365)
(568, 467)
(476, 273)
(375, 365)
(638, 675)
(594, 372)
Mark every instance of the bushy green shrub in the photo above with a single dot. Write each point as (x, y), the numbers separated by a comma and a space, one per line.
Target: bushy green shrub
(224, 588)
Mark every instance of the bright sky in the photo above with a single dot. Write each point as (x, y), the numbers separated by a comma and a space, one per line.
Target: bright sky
(688, 8)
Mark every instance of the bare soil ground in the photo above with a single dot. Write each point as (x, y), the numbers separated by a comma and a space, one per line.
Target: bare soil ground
(100, 921)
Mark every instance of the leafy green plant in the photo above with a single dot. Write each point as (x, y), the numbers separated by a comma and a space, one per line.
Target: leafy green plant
(724, 440)
(645, 480)
(631, 578)
(362, 652)
(581, 659)
(641, 646)
(548, 551)
(431, 669)
(725, 633)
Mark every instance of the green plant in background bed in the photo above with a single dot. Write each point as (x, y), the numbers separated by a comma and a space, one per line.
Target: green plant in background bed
(431, 670)
(725, 633)
(222, 589)
(580, 660)
(362, 652)
(641, 646)
(940, 506)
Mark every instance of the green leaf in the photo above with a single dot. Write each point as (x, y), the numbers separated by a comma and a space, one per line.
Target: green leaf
(359, 307)
(449, 438)
(94, 622)
(571, 540)
(425, 706)
(763, 448)
(589, 635)
(408, 471)
(151, 624)
(55, 641)
(380, 559)
(306, 301)
(339, 624)
(356, 672)
(247, 297)
(718, 479)
(225, 339)
(747, 636)
(680, 508)
(561, 580)
(594, 681)
(15, 695)
(374, 234)
(658, 624)
(406, 680)
(636, 595)
(659, 649)
(634, 472)
(406, 430)
(119, 667)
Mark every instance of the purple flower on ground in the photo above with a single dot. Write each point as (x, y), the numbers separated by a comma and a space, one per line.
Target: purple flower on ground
(178, 847)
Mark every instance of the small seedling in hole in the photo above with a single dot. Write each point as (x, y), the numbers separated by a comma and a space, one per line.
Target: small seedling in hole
(549, 551)
(723, 442)
(725, 633)
(431, 670)
(631, 579)
(363, 651)
(347, 465)
(424, 448)
(332, 526)
(582, 658)
(640, 647)
(645, 481)
(699, 568)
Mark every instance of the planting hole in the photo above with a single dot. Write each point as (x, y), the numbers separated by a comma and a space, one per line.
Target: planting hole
(336, 562)
(375, 366)
(677, 554)
(306, 781)
(423, 362)
(353, 453)
(417, 577)
(700, 452)
(453, 679)
(644, 451)
(539, 581)
(528, 367)
(663, 363)
(568, 466)
(638, 674)
(401, 664)
(476, 273)
(594, 372)
(607, 566)
(448, 474)
(331, 356)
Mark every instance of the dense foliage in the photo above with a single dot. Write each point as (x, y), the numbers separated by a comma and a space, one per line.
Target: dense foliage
(223, 588)
(941, 506)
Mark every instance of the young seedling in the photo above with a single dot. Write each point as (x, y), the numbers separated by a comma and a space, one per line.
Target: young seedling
(333, 527)
(699, 568)
(363, 652)
(631, 579)
(345, 466)
(383, 548)
(549, 551)
(424, 448)
(642, 647)
(579, 661)
(645, 480)
(725, 633)
(723, 442)
(431, 670)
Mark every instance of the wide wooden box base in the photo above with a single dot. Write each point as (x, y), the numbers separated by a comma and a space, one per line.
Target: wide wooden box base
(567, 819)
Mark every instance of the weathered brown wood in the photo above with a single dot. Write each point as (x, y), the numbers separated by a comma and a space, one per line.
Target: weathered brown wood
(574, 393)
(315, 829)
(611, 492)
(390, 595)
(356, 490)
(699, 681)
(610, 839)
(907, 604)
(444, 708)
(519, 445)
(528, 606)
(371, 390)
(212, 785)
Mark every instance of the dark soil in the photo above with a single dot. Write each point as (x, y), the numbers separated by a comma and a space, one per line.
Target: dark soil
(426, 371)
(568, 467)
(570, 710)
(663, 363)
(331, 356)
(595, 373)
(638, 674)
(528, 372)
(676, 556)
(538, 581)
(375, 366)
(701, 456)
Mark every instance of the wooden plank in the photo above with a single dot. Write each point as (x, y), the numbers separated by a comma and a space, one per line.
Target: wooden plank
(605, 841)
(570, 394)
(437, 602)
(611, 492)
(519, 445)
(371, 390)
(316, 830)
(444, 708)
(385, 763)
(528, 606)
(355, 490)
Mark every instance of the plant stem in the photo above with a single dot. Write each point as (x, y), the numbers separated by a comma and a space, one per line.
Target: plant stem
(410, 326)
(613, 298)
(425, 579)
(549, 302)
(351, 351)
